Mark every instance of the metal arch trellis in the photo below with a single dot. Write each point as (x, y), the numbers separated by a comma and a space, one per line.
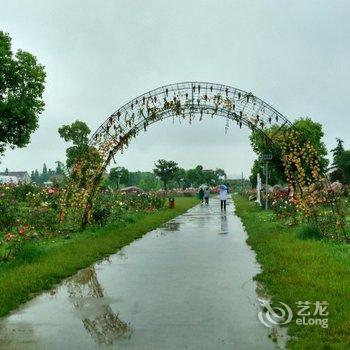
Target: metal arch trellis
(192, 100)
(181, 100)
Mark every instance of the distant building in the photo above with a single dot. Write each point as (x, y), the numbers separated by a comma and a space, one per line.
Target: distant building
(21, 176)
(8, 180)
(131, 189)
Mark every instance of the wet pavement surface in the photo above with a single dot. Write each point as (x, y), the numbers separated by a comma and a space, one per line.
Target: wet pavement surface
(187, 285)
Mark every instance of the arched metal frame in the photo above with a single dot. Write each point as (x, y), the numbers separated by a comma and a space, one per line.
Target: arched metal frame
(195, 100)
(181, 100)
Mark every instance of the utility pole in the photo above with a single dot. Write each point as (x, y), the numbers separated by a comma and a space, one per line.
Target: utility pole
(258, 190)
(266, 158)
(266, 184)
(119, 176)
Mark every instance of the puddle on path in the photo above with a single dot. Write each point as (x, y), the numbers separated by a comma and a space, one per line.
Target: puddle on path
(186, 285)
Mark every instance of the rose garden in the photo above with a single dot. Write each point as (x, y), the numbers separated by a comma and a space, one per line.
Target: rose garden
(89, 208)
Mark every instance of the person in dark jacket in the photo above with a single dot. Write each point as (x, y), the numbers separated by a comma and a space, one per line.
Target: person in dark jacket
(201, 195)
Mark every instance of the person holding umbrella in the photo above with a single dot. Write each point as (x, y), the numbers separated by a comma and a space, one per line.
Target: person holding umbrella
(223, 193)
(206, 195)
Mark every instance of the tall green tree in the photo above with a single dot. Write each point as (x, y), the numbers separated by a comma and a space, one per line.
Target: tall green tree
(337, 151)
(134, 178)
(180, 177)
(343, 163)
(198, 176)
(149, 182)
(59, 168)
(78, 134)
(22, 83)
(119, 175)
(195, 176)
(80, 153)
(166, 171)
(36, 176)
(221, 174)
(44, 169)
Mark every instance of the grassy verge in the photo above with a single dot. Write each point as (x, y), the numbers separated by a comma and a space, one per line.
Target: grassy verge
(40, 267)
(301, 270)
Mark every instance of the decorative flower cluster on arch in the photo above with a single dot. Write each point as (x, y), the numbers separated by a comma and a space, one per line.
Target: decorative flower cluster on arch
(190, 100)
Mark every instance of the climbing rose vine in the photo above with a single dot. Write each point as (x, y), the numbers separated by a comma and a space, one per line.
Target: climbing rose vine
(312, 194)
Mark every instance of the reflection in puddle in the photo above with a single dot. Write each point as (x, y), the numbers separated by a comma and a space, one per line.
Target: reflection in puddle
(22, 331)
(224, 225)
(171, 226)
(86, 294)
(121, 255)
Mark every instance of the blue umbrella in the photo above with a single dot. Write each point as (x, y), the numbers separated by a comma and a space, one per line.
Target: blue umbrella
(223, 187)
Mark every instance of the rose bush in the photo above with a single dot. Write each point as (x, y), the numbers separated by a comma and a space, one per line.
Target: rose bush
(28, 212)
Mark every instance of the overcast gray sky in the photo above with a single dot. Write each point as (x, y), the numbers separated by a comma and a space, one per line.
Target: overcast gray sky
(100, 54)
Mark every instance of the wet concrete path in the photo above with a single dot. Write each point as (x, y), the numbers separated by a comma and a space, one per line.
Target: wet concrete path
(187, 285)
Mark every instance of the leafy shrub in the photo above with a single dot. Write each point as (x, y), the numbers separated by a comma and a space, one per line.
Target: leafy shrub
(144, 201)
(29, 213)
(309, 231)
(8, 214)
(42, 219)
(13, 242)
(112, 206)
(283, 207)
(20, 192)
(101, 215)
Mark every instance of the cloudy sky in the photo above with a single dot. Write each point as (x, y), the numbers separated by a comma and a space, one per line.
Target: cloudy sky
(100, 54)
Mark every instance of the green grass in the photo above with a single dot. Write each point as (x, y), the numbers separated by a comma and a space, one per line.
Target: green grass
(41, 266)
(296, 269)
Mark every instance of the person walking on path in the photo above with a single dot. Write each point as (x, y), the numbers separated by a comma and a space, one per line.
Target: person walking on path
(201, 195)
(223, 196)
(206, 195)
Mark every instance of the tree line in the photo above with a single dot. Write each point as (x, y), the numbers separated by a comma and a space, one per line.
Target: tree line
(341, 163)
(166, 174)
(56, 175)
